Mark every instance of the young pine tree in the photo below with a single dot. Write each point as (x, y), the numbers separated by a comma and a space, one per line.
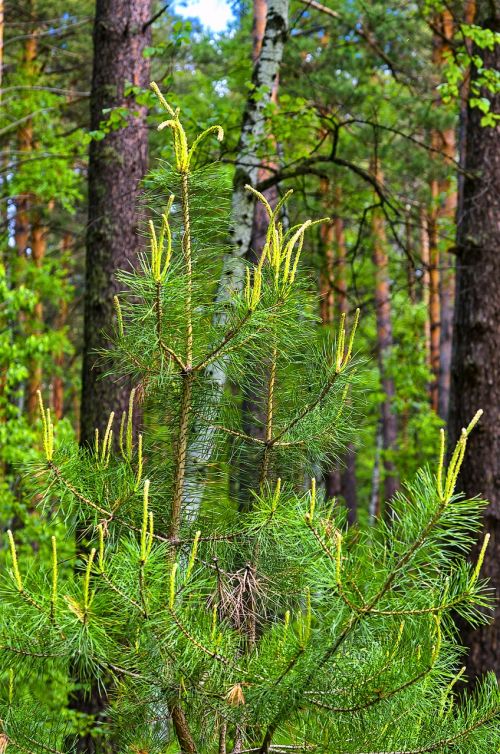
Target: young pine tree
(257, 621)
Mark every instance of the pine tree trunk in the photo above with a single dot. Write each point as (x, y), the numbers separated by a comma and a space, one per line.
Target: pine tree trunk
(25, 145)
(2, 24)
(384, 347)
(447, 145)
(331, 476)
(475, 379)
(425, 259)
(348, 474)
(434, 298)
(333, 290)
(117, 164)
(38, 245)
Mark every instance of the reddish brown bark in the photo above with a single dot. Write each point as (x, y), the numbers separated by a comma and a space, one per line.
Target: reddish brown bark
(326, 280)
(425, 258)
(476, 350)
(384, 345)
(446, 142)
(25, 145)
(434, 299)
(258, 27)
(333, 303)
(38, 247)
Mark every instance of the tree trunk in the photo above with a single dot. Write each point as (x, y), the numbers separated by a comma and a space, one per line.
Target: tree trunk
(348, 473)
(331, 476)
(425, 259)
(59, 358)
(446, 142)
(253, 405)
(264, 78)
(384, 346)
(25, 144)
(117, 164)
(434, 299)
(38, 245)
(333, 290)
(475, 379)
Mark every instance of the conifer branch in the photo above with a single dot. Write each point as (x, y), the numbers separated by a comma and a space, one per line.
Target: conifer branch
(228, 337)
(444, 742)
(380, 696)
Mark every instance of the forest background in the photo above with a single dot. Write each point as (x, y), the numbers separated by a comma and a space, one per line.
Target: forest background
(380, 115)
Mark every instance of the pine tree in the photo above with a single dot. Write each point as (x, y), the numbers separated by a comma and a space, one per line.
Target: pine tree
(271, 629)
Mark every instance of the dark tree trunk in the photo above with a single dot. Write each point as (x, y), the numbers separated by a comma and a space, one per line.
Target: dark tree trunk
(117, 165)
(476, 352)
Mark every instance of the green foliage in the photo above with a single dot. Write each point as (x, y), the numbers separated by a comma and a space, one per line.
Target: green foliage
(486, 81)
(257, 624)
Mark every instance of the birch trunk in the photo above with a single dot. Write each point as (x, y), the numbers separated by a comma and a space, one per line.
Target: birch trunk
(264, 78)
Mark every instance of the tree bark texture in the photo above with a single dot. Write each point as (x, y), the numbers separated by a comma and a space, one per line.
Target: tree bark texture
(264, 78)
(475, 379)
(384, 347)
(253, 405)
(445, 141)
(333, 300)
(117, 164)
(38, 247)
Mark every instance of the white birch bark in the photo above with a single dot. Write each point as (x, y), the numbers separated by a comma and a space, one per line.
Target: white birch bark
(232, 278)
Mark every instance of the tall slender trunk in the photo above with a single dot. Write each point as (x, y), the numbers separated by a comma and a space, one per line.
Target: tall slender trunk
(374, 507)
(117, 164)
(38, 246)
(326, 277)
(425, 259)
(2, 28)
(264, 78)
(384, 345)
(25, 145)
(475, 379)
(253, 407)
(446, 142)
(59, 360)
(327, 234)
(434, 299)
(333, 297)
(348, 473)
